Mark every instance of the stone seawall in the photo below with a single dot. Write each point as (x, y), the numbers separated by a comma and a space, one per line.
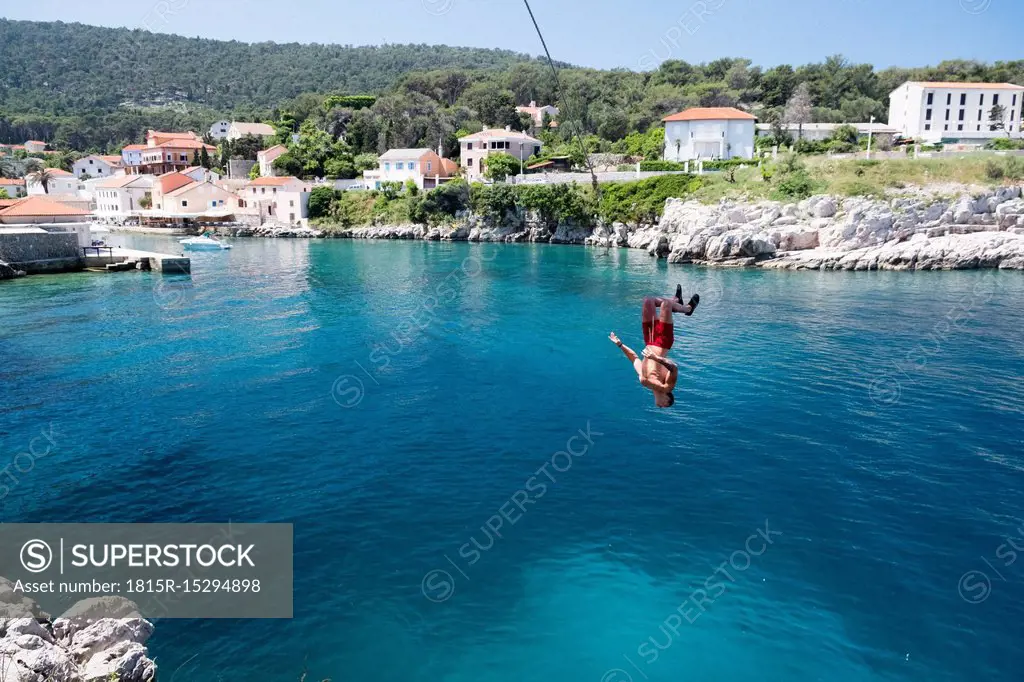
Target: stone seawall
(35, 252)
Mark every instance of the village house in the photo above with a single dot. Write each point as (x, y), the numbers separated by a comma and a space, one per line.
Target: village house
(39, 209)
(423, 166)
(165, 153)
(95, 166)
(219, 130)
(709, 133)
(15, 187)
(131, 155)
(284, 199)
(239, 130)
(200, 174)
(35, 147)
(196, 198)
(955, 112)
(121, 195)
(475, 148)
(537, 114)
(164, 184)
(61, 182)
(267, 157)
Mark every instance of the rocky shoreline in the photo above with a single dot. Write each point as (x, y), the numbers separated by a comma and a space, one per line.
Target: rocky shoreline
(820, 233)
(95, 641)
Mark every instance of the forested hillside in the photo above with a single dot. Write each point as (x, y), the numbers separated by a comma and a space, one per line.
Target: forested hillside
(91, 88)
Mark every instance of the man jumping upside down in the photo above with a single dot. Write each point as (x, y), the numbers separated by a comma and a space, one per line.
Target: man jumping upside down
(656, 371)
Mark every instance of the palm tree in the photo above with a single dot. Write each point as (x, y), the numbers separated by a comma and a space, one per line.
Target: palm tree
(42, 176)
(8, 169)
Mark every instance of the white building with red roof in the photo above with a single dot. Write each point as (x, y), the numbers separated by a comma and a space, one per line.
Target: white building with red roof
(97, 166)
(704, 133)
(956, 112)
(15, 187)
(284, 200)
(60, 182)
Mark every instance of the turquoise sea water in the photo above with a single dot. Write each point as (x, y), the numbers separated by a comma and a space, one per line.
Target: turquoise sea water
(393, 400)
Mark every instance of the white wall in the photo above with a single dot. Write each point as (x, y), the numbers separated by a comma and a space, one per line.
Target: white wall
(94, 167)
(724, 139)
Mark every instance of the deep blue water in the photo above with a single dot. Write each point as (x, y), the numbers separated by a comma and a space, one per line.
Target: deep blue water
(390, 398)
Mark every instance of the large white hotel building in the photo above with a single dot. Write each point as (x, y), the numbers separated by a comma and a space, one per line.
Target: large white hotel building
(955, 112)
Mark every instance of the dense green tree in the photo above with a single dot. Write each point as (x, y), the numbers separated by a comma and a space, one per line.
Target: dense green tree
(500, 166)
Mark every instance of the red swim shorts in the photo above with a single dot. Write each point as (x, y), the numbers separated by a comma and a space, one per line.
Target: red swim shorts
(660, 334)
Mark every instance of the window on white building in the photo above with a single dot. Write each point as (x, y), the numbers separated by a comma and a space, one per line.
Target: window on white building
(946, 127)
(1014, 103)
(981, 100)
(469, 162)
(184, 203)
(995, 100)
(931, 98)
(387, 166)
(963, 99)
(960, 126)
(947, 114)
(928, 114)
(927, 126)
(412, 165)
(949, 98)
(962, 113)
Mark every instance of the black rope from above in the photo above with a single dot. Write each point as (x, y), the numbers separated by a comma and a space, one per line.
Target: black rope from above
(561, 95)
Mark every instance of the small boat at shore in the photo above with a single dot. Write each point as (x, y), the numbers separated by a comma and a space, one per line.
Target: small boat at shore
(203, 243)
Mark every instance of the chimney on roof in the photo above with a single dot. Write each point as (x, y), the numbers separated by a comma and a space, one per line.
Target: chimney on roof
(533, 103)
(508, 129)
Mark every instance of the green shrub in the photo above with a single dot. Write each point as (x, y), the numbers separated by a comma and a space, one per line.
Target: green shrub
(321, 200)
(442, 202)
(643, 201)
(1004, 144)
(492, 201)
(796, 185)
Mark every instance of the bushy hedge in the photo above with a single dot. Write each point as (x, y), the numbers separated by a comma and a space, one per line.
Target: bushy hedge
(553, 204)
(643, 201)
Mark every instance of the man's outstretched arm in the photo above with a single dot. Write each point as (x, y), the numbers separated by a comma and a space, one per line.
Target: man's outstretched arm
(626, 350)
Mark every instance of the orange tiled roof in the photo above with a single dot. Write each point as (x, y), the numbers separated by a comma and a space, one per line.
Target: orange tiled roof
(185, 144)
(34, 207)
(710, 114)
(13, 181)
(169, 182)
(59, 172)
(273, 182)
(135, 147)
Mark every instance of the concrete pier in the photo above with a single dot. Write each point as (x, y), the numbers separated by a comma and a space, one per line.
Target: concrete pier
(159, 262)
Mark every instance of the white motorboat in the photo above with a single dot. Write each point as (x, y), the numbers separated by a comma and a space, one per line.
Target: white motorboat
(203, 244)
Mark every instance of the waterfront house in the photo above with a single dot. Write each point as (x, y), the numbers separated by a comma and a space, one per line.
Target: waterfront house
(283, 199)
(198, 197)
(955, 112)
(121, 195)
(219, 130)
(38, 209)
(15, 187)
(165, 184)
(61, 182)
(475, 148)
(423, 166)
(238, 130)
(537, 114)
(709, 133)
(267, 157)
(96, 166)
